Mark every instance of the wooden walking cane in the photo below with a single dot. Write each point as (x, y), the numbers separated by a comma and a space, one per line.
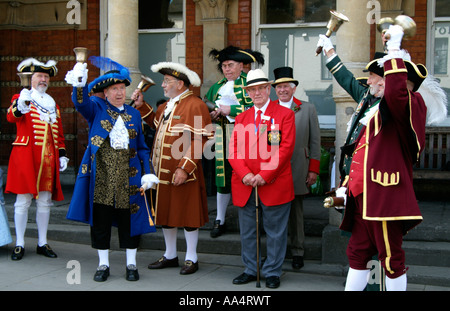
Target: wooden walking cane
(257, 238)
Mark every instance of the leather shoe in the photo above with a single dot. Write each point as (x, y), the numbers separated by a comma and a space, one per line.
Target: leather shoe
(244, 278)
(163, 262)
(18, 253)
(273, 282)
(297, 262)
(189, 267)
(132, 273)
(45, 250)
(218, 229)
(102, 273)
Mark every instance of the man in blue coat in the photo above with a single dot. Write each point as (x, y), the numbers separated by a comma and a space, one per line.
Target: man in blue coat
(110, 175)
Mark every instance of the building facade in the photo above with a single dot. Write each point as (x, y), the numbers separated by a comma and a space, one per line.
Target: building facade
(141, 33)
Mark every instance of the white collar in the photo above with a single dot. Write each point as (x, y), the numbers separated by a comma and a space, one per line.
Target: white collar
(286, 104)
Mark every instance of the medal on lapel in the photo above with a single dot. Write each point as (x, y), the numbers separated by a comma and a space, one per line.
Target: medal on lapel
(274, 135)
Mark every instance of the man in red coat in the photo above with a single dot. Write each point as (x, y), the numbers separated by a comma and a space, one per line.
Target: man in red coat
(261, 147)
(38, 154)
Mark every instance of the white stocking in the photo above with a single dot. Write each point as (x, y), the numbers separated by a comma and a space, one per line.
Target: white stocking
(103, 257)
(356, 279)
(222, 203)
(23, 202)
(191, 245)
(43, 204)
(170, 238)
(397, 284)
(131, 256)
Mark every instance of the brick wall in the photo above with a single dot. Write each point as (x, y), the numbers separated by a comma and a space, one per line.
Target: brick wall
(416, 46)
(17, 45)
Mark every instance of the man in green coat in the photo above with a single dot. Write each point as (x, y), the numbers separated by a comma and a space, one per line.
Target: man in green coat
(229, 100)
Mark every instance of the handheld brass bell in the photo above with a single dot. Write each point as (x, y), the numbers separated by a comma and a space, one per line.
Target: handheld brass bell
(143, 85)
(81, 55)
(336, 20)
(25, 79)
(408, 25)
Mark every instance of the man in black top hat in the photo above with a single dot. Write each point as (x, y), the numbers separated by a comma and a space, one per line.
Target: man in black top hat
(306, 158)
(229, 99)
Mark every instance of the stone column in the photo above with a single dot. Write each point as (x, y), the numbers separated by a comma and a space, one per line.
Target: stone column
(213, 18)
(353, 47)
(123, 41)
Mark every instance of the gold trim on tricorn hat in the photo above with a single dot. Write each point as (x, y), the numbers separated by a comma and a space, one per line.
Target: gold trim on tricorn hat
(33, 65)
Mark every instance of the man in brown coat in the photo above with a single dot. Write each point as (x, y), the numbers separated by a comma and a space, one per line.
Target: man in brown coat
(183, 125)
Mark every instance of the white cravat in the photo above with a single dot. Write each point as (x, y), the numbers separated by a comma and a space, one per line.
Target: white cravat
(47, 102)
(119, 137)
(171, 104)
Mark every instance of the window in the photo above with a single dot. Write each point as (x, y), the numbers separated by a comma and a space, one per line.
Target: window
(161, 39)
(287, 29)
(438, 58)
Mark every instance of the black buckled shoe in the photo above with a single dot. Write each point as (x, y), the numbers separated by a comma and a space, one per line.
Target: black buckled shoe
(218, 229)
(102, 273)
(45, 250)
(18, 253)
(132, 273)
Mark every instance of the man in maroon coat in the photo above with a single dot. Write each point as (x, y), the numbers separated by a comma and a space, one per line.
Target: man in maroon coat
(381, 205)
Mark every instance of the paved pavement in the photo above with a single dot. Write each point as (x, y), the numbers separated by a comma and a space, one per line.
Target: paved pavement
(75, 266)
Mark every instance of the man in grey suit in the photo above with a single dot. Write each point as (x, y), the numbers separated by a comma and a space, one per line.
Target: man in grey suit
(305, 161)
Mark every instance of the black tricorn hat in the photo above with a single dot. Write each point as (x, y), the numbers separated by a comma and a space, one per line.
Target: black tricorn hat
(372, 66)
(416, 73)
(245, 56)
(33, 65)
(284, 74)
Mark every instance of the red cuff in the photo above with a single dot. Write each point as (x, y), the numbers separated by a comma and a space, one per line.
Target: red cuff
(314, 166)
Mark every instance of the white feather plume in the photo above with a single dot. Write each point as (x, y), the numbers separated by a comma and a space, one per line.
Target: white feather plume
(435, 99)
(193, 77)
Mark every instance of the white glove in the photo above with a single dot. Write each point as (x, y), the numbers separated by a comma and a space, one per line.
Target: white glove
(78, 76)
(396, 32)
(148, 181)
(63, 163)
(325, 43)
(341, 192)
(25, 96)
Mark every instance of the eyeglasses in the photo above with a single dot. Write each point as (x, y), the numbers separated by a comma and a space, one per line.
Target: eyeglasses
(254, 89)
(168, 81)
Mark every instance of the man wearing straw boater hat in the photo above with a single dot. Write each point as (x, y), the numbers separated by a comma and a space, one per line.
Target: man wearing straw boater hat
(261, 148)
(114, 167)
(305, 161)
(183, 126)
(38, 154)
(379, 199)
(229, 99)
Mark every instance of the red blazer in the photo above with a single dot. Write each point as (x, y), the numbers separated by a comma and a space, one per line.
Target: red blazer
(250, 153)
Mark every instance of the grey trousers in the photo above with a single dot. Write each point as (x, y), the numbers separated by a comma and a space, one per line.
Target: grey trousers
(274, 220)
(296, 227)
